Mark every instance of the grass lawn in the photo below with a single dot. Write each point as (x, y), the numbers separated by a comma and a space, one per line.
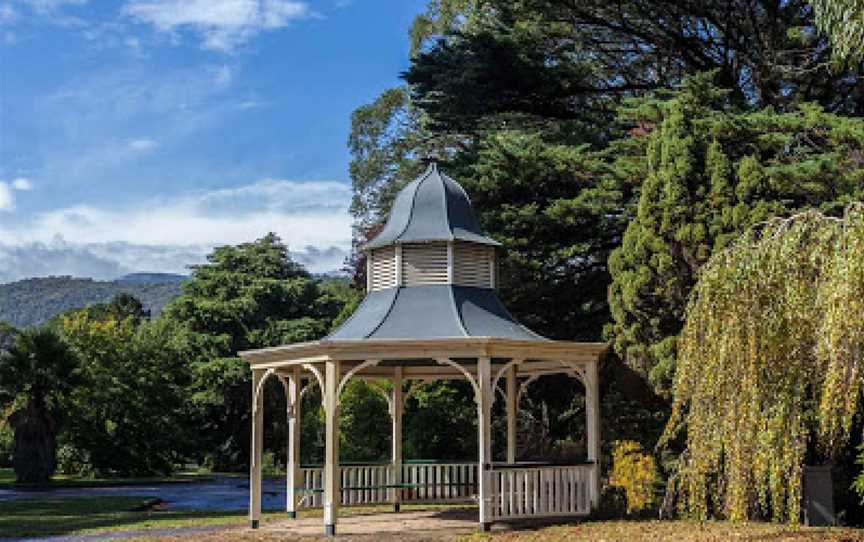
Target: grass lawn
(600, 531)
(679, 531)
(80, 515)
(7, 480)
(42, 517)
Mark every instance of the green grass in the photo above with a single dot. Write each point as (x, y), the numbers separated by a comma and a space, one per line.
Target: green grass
(7, 480)
(90, 515)
(80, 515)
(43, 517)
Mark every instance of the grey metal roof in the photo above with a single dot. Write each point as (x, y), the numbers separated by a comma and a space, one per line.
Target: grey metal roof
(432, 207)
(432, 312)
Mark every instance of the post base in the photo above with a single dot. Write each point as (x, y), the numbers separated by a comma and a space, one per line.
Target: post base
(292, 515)
(396, 507)
(330, 529)
(254, 523)
(485, 527)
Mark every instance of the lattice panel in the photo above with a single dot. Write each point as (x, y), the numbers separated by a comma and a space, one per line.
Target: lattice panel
(424, 264)
(473, 265)
(383, 268)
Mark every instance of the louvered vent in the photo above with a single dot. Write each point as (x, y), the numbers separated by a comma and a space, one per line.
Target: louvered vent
(473, 265)
(383, 268)
(424, 264)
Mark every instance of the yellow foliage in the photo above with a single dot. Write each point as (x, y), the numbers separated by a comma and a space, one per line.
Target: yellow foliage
(635, 472)
(771, 358)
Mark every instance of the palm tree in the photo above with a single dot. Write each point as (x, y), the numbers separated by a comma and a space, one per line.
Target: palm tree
(36, 374)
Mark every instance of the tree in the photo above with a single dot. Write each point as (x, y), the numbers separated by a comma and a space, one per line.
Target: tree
(711, 172)
(248, 296)
(557, 208)
(770, 364)
(37, 374)
(129, 413)
(843, 22)
(576, 60)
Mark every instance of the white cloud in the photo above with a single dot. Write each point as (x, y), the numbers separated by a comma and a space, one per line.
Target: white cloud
(169, 234)
(7, 199)
(142, 145)
(222, 24)
(7, 189)
(49, 11)
(48, 6)
(22, 183)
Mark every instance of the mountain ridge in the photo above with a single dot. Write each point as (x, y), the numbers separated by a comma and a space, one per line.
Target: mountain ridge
(33, 301)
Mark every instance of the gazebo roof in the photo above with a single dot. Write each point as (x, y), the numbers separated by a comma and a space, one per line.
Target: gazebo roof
(428, 309)
(432, 207)
(432, 312)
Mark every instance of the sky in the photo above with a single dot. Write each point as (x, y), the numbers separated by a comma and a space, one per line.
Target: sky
(136, 135)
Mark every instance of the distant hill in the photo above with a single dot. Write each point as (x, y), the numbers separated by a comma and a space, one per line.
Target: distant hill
(33, 301)
(152, 278)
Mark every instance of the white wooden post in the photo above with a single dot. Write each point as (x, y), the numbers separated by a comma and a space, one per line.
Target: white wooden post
(511, 414)
(332, 492)
(256, 449)
(592, 427)
(484, 419)
(294, 477)
(396, 416)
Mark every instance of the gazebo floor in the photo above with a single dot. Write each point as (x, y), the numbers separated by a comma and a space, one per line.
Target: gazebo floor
(411, 524)
(415, 525)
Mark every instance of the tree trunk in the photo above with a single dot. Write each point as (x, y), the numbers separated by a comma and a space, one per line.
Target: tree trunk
(34, 456)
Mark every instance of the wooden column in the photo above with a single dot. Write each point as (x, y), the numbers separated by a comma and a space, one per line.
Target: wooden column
(484, 425)
(292, 468)
(512, 408)
(396, 407)
(332, 475)
(256, 449)
(592, 427)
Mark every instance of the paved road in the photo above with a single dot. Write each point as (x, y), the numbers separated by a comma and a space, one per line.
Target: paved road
(218, 493)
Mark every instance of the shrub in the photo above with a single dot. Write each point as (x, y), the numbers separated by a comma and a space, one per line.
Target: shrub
(635, 472)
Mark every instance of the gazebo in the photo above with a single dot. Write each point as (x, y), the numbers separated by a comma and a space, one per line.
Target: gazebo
(431, 313)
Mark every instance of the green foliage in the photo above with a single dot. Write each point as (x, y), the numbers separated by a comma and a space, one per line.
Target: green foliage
(556, 207)
(635, 472)
(431, 435)
(33, 302)
(769, 363)
(129, 411)
(711, 172)
(575, 60)
(37, 376)
(247, 296)
(364, 424)
(843, 22)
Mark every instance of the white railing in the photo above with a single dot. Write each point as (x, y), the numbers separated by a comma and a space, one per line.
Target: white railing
(541, 491)
(311, 487)
(366, 484)
(437, 482)
(517, 492)
(375, 484)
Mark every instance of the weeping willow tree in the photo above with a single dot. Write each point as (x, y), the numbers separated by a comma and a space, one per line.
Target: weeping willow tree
(770, 364)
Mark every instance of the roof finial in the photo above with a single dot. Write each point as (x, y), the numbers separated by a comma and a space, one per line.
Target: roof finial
(431, 160)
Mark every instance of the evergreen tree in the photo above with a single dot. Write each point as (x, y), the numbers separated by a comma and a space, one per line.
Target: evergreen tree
(710, 173)
(576, 60)
(248, 296)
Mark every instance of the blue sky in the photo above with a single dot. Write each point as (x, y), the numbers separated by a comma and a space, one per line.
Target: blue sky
(135, 135)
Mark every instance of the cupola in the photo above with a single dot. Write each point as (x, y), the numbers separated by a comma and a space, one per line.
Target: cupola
(431, 271)
(431, 237)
